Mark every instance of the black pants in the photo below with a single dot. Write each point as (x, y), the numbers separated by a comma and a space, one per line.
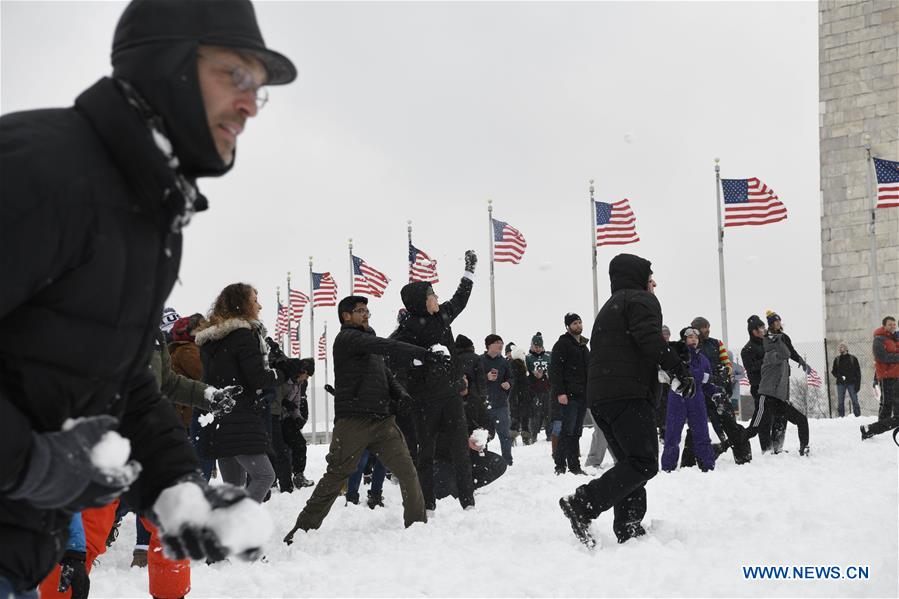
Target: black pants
(572, 427)
(785, 412)
(280, 456)
(443, 414)
(296, 443)
(765, 419)
(889, 399)
(629, 427)
(484, 470)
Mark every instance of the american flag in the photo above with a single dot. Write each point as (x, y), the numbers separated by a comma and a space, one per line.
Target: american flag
(322, 347)
(324, 290)
(750, 202)
(298, 301)
(367, 280)
(281, 321)
(887, 173)
(421, 267)
(615, 223)
(508, 243)
(744, 382)
(813, 379)
(295, 339)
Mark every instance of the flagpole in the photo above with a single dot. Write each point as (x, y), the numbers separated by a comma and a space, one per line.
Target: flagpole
(492, 290)
(280, 336)
(352, 267)
(289, 317)
(409, 235)
(593, 249)
(872, 229)
(312, 345)
(327, 399)
(721, 282)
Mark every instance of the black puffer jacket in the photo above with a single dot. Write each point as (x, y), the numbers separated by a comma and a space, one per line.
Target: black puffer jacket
(88, 257)
(426, 330)
(568, 367)
(847, 370)
(628, 347)
(476, 399)
(363, 385)
(753, 354)
(521, 402)
(234, 352)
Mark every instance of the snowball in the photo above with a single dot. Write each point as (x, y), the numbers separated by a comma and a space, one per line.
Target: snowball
(209, 394)
(242, 526)
(111, 453)
(480, 436)
(206, 419)
(181, 504)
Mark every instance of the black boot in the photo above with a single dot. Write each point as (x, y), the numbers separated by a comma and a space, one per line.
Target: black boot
(629, 531)
(580, 523)
(352, 497)
(375, 499)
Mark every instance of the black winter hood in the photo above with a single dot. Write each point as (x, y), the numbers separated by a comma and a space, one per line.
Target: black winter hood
(627, 271)
(415, 297)
(155, 50)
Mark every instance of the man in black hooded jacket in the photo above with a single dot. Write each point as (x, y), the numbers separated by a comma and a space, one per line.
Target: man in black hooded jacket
(622, 387)
(435, 387)
(93, 199)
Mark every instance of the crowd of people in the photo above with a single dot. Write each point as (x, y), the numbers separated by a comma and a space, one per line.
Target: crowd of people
(95, 198)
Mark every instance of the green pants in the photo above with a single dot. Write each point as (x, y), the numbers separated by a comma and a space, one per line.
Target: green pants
(350, 438)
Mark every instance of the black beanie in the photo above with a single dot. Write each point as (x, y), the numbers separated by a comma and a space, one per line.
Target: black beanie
(509, 346)
(754, 322)
(537, 340)
(491, 339)
(571, 317)
(463, 342)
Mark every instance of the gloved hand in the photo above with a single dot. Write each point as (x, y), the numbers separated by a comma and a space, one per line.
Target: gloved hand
(61, 474)
(330, 389)
(682, 381)
(290, 367)
(471, 260)
(805, 367)
(223, 400)
(202, 522)
(73, 575)
(275, 353)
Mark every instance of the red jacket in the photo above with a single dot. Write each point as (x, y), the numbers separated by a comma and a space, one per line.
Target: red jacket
(886, 354)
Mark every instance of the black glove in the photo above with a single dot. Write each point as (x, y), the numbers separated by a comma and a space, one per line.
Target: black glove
(275, 353)
(201, 539)
(223, 399)
(687, 387)
(61, 475)
(330, 389)
(290, 367)
(471, 260)
(721, 402)
(73, 574)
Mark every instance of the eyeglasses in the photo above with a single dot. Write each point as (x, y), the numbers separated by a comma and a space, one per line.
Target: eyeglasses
(362, 311)
(242, 79)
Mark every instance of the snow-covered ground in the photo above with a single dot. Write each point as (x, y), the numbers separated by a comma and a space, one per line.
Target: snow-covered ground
(836, 508)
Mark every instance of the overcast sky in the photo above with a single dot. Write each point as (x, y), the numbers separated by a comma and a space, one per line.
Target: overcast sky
(422, 111)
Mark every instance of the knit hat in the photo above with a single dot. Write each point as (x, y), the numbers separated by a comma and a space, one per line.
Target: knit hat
(754, 322)
(463, 342)
(687, 331)
(571, 317)
(665, 329)
(510, 346)
(772, 317)
(181, 329)
(700, 323)
(169, 316)
(491, 339)
(537, 340)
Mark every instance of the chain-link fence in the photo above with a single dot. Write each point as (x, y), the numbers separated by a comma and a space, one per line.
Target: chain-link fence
(816, 395)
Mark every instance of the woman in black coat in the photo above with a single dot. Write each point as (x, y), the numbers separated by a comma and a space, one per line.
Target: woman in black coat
(233, 349)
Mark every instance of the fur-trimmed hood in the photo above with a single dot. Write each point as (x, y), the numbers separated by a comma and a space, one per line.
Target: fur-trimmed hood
(221, 330)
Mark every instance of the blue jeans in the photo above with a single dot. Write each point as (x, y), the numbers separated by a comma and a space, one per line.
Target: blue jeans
(377, 475)
(572, 426)
(841, 398)
(503, 421)
(206, 464)
(7, 591)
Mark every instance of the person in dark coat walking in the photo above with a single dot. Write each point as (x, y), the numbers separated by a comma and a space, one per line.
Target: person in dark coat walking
(366, 399)
(568, 377)
(435, 386)
(94, 198)
(848, 373)
(627, 352)
(753, 355)
(498, 383)
(234, 352)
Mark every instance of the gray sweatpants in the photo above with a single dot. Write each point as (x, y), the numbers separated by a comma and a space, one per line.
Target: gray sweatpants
(598, 445)
(235, 470)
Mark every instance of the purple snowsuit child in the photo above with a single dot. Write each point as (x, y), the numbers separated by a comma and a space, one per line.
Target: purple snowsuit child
(692, 410)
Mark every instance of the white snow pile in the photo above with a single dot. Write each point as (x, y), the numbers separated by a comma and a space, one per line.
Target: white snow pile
(244, 525)
(836, 508)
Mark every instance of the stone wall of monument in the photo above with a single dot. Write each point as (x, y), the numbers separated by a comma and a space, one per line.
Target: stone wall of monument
(859, 103)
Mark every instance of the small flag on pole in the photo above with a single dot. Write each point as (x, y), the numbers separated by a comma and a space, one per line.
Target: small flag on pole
(281, 322)
(813, 379)
(324, 290)
(367, 280)
(887, 173)
(508, 243)
(421, 267)
(750, 202)
(322, 348)
(298, 302)
(615, 223)
(295, 339)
